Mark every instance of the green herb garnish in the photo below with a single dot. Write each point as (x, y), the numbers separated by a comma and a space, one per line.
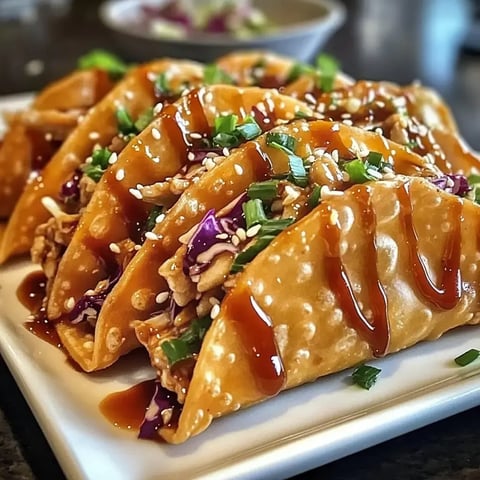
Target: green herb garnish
(99, 163)
(161, 84)
(328, 68)
(281, 141)
(188, 344)
(152, 217)
(144, 119)
(298, 70)
(126, 126)
(103, 60)
(213, 74)
(286, 143)
(467, 357)
(314, 197)
(474, 182)
(365, 376)
(227, 132)
(250, 253)
(254, 212)
(360, 171)
(268, 231)
(265, 191)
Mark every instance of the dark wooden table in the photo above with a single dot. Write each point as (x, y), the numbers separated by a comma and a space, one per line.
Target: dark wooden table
(400, 41)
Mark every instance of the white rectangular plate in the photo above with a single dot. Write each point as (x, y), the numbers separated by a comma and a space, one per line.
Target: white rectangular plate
(296, 431)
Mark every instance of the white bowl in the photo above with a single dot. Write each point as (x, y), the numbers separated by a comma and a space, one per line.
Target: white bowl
(302, 28)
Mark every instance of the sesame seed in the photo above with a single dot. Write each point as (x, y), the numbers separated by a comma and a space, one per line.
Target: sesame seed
(215, 311)
(120, 175)
(129, 95)
(252, 231)
(335, 155)
(235, 241)
(48, 136)
(335, 127)
(238, 169)
(160, 218)
(137, 247)
(209, 163)
(162, 297)
(93, 135)
(222, 236)
(114, 248)
(225, 152)
(151, 236)
(310, 98)
(156, 133)
(195, 135)
(157, 108)
(70, 303)
(213, 301)
(353, 104)
(113, 158)
(152, 76)
(191, 156)
(136, 193)
(347, 122)
(240, 233)
(90, 292)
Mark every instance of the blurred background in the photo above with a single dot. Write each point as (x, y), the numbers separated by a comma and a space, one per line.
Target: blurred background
(434, 41)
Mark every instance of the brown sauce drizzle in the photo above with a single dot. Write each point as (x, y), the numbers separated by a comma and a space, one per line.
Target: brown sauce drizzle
(126, 409)
(376, 331)
(447, 295)
(31, 293)
(256, 332)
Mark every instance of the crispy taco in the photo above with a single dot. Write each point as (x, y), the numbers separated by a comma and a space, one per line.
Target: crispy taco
(139, 91)
(35, 134)
(186, 139)
(140, 293)
(370, 271)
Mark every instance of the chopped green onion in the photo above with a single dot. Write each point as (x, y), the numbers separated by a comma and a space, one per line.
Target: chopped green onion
(265, 191)
(188, 344)
(161, 84)
(375, 159)
(357, 171)
(144, 119)
(250, 129)
(365, 376)
(225, 124)
(301, 114)
(152, 217)
(125, 122)
(250, 253)
(96, 168)
(100, 157)
(298, 172)
(213, 74)
(467, 357)
(474, 182)
(328, 68)
(103, 60)
(228, 134)
(298, 70)
(228, 140)
(282, 141)
(254, 212)
(275, 226)
(314, 197)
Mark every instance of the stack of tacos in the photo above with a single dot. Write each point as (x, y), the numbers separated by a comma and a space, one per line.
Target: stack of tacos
(254, 224)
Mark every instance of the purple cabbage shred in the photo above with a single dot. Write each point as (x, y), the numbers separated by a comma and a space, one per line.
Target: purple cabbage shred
(162, 399)
(207, 235)
(455, 184)
(70, 190)
(89, 305)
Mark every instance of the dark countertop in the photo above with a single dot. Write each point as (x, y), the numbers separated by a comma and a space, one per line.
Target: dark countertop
(398, 41)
